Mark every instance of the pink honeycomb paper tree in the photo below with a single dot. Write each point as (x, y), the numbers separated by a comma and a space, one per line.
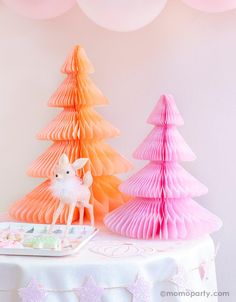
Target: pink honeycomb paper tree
(162, 205)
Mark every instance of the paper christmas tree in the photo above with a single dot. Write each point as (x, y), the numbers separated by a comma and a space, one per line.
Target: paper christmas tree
(162, 206)
(77, 131)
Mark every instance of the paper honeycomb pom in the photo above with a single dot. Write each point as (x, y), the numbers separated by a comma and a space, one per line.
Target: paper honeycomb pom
(162, 205)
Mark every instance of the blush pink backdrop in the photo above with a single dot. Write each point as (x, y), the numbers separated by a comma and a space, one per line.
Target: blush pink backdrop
(185, 52)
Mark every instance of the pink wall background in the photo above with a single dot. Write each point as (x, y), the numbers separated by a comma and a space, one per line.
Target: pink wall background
(184, 52)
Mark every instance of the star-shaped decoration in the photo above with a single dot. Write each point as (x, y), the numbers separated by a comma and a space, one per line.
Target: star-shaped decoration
(140, 289)
(89, 292)
(203, 270)
(34, 292)
(180, 278)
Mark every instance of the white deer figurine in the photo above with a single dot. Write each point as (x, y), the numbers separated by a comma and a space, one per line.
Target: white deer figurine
(71, 189)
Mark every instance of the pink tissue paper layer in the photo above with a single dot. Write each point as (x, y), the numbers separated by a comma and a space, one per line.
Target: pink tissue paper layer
(163, 180)
(166, 112)
(164, 144)
(155, 219)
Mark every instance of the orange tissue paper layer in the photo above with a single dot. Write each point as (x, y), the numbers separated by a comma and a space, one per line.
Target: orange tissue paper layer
(77, 91)
(77, 62)
(103, 160)
(39, 205)
(72, 125)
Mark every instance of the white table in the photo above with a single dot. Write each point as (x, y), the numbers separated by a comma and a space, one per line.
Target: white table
(114, 263)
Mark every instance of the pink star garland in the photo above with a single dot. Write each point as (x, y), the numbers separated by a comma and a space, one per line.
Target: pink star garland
(89, 292)
(141, 290)
(34, 292)
(203, 271)
(204, 267)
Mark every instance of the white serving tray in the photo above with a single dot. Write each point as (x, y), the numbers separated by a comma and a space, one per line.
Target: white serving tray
(80, 234)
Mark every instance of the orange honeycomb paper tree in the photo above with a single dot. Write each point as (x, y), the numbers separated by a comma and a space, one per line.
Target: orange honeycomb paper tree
(77, 131)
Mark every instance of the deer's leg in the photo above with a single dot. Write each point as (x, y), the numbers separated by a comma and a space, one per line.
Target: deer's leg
(91, 214)
(70, 217)
(56, 215)
(81, 213)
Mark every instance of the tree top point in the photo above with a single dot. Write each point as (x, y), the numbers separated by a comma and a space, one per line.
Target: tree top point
(165, 112)
(77, 62)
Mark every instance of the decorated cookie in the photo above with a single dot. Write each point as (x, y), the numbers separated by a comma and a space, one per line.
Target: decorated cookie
(12, 235)
(43, 242)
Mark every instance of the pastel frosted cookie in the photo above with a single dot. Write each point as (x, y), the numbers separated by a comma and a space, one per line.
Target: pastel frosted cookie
(43, 242)
(14, 235)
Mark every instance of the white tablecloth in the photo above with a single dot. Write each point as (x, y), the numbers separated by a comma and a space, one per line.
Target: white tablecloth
(114, 261)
